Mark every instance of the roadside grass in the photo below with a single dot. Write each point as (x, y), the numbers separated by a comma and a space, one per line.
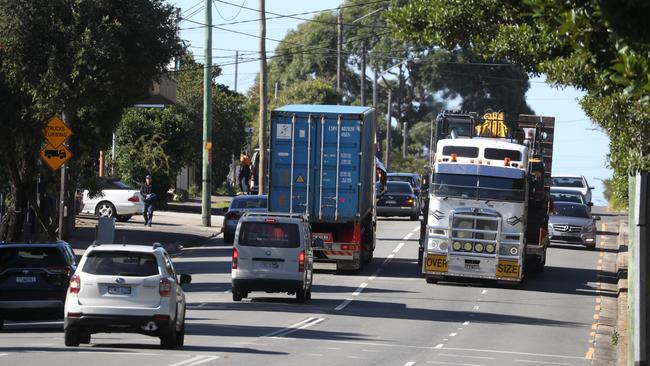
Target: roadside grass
(221, 204)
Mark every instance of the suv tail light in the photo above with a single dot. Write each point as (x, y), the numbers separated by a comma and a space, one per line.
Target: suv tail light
(301, 261)
(165, 287)
(75, 284)
(235, 258)
(64, 270)
(134, 198)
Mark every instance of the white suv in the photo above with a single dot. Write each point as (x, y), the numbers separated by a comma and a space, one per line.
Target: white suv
(127, 289)
(272, 253)
(576, 183)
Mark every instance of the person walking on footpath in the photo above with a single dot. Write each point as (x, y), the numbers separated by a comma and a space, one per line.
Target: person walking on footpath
(149, 197)
(244, 177)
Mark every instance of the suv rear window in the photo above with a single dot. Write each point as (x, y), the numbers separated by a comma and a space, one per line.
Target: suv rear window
(30, 257)
(121, 264)
(267, 234)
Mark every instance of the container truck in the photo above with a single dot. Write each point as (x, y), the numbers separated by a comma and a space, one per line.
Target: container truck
(322, 163)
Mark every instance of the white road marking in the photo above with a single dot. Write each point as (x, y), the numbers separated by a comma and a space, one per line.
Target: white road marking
(463, 356)
(211, 358)
(453, 334)
(227, 291)
(313, 354)
(455, 363)
(309, 322)
(466, 323)
(3, 354)
(438, 346)
(410, 363)
(357, 357)
(515, 353)
(359, 289)
(292, 326)
(397, 248)
(333, 348)
(483, 292)
(408, 236)
(476, 307)
(342, 306)
(544, 363)
(416, 229)
(371, 350)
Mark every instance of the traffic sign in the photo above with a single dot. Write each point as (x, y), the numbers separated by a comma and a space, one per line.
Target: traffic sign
(56, 131)
(54, 157)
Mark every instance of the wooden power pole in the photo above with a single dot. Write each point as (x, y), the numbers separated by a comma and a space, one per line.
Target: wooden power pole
(262, 164)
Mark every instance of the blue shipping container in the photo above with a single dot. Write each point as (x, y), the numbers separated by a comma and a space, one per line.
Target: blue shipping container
(322, 162)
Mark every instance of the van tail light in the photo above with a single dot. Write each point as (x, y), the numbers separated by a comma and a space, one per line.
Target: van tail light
(161, 317)
(62, 270)
(165, 287)
(301, 261)
(75, 284)
(235, 258)
(134, 198)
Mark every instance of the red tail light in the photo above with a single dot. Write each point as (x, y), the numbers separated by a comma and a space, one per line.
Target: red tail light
(165, 287)
(134, 199)
(64, 270)
(350, 247)
(75, 284)
(235, 258)
(161, 318)
(301, 261)
(232, 216)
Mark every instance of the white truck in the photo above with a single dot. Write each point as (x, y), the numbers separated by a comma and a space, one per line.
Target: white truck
(488, 199)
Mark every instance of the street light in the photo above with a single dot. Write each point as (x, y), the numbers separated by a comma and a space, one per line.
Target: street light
(388, 112)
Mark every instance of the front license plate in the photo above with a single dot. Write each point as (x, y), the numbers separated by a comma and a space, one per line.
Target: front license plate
(508, 269)
(435, 263)
(119, 290)
(26, 279)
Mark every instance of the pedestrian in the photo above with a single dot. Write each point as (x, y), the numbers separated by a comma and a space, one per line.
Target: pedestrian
(244, 174)
(149, 197)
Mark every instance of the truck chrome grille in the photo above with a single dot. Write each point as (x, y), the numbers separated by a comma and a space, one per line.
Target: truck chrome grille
(474, 231)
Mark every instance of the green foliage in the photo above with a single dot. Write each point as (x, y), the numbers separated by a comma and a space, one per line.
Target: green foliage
(145, 155)
(615, 191)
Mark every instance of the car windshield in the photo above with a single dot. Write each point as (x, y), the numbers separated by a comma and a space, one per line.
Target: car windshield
(567, 197)
(572, 182)
(244, 203)
(479, 187)
(569, 209)
(30, 257)
(119, 263)
(399, 187)
(400, 178)
(269, 234)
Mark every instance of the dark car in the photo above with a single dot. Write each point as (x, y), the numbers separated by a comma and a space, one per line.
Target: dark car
(411, 178)
(34, 280)
(238, 206)
(399, 200)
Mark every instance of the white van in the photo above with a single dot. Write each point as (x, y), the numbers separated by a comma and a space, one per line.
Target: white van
(272, 253)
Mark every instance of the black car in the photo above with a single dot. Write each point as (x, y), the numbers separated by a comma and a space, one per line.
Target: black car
(239, 206)
(399, 200)
(34, 280)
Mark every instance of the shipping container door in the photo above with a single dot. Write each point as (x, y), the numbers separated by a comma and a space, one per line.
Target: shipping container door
(336, 196)
(293, 137)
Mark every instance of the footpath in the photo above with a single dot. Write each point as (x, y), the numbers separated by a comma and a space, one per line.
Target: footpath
(609, 331)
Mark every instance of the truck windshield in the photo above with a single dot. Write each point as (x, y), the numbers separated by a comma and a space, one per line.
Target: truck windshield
(478, 187)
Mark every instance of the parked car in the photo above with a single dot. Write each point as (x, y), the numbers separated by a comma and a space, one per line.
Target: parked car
(571, 223)
(272, 253)
(116, 200)
(567, 195)
(399, 200)
(572, 182)
(238, 206)
(34, 280)
(126, 289)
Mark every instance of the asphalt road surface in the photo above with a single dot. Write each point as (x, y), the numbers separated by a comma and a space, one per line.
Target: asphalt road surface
(385, 315)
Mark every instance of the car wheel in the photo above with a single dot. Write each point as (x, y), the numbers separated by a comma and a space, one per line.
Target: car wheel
(168, 338)
(228, 238)
(105, 209)
(236, 295)
(71, 338)
(180, 335)
(301, 296)
(124, 218)
(84, 338)
(591, 247)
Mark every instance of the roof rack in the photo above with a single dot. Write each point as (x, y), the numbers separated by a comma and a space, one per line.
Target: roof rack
(302, 216)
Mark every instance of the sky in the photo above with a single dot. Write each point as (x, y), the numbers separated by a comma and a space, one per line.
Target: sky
(579, 148)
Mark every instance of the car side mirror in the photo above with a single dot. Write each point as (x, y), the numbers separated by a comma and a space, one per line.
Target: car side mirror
(597, 218)
(185, 279)
(592, 188)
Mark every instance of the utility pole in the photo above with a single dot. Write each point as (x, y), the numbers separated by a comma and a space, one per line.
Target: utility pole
(206, 189)
(363, 74)
(339, 46)
(63, 212)
(236, 68)
(388, 118)
(374, 95)
(263, 102)
(404, 133)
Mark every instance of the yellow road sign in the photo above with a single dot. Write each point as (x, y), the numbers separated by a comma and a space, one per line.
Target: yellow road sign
(56, 131)
(54, 157)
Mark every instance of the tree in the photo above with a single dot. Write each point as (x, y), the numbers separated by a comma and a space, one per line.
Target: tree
(85, 58)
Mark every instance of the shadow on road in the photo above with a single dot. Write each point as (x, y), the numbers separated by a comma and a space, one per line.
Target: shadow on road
(224, 330)
(187, 347)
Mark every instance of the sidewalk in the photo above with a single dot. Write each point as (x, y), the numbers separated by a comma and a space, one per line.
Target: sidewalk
(174, 230)
(610, 329)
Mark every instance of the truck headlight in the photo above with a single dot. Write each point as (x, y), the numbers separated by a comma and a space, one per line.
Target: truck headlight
(478, 247)
(438, 244)
(490, 248)
(467, 246)
(457, 245)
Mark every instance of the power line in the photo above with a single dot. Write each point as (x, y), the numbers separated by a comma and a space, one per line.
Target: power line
(241, 7)
(192, 7)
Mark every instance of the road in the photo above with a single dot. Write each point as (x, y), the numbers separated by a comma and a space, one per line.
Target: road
(386, 315)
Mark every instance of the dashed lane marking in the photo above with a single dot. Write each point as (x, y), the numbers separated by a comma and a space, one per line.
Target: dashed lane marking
(3, 354)
(484, 292)
(397, 248)
(306, 323)
(513, 353)
(438, 346)
(453, 334)
(205, 360)
(543, 362)
(476, 307)
(410, 363)
(463, 356)
(313, 354)
(466, 323)
(416, 229)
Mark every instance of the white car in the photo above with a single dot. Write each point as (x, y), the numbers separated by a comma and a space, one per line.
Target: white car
(126, 289)
(117, 200)
(573, 182)
(272, 253)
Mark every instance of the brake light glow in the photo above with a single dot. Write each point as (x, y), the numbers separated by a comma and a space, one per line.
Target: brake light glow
(235, 258)
(161, 318)
(270, 221)
(301, 261)
(134, 199)
(75, 284)
(165, 287)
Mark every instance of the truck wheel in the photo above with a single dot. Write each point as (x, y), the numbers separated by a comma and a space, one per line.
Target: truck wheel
(301, 296)
(71, 338)
(236, 295)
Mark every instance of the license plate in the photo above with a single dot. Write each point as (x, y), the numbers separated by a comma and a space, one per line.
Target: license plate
(472, 266)
(509, 269)
(272, 265)
(391, 202)
(119, 290)
(26, 279)
(435, 263)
